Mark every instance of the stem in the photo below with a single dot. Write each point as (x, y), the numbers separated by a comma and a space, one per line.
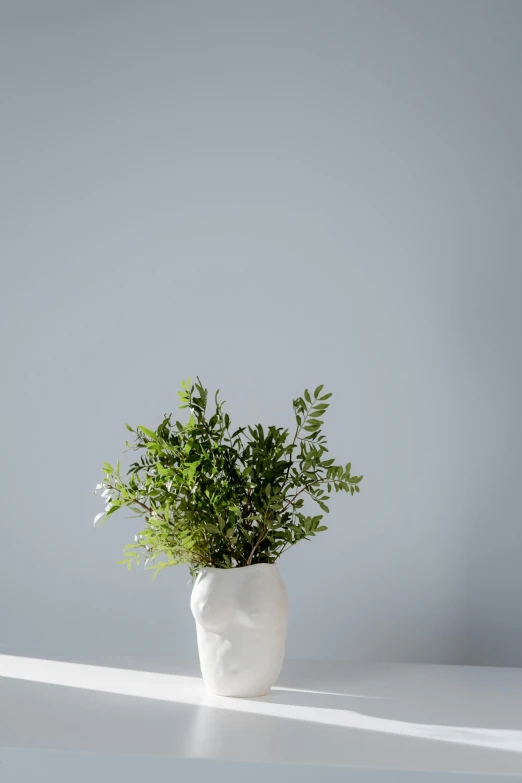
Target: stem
(297, 431)
(262, 535)
(307, 486)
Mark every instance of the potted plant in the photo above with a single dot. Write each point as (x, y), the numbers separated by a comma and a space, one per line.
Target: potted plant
(228, 502)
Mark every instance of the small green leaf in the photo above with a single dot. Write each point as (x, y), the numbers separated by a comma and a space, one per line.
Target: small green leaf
(318, 391)
(147, 432)
(307, 396)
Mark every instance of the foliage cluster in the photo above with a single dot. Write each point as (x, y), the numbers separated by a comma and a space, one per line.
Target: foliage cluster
(212, 495)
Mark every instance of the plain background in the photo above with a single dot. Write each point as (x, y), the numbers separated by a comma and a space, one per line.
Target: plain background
(271, 195)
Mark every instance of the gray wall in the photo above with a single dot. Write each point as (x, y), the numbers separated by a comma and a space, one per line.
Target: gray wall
(270, 195)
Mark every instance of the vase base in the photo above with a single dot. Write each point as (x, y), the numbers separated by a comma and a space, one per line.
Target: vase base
(240, 695)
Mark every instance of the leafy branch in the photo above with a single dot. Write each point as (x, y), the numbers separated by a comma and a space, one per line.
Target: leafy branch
(214, 496)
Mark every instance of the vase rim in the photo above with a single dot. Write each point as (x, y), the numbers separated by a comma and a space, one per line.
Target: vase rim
(238, 568)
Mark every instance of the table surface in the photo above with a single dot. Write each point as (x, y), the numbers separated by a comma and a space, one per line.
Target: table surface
(372, 720)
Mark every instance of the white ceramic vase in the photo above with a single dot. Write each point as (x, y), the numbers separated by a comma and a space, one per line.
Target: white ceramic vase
(241, 616)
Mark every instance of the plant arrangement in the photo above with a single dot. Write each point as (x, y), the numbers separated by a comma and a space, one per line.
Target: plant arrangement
(215, 496)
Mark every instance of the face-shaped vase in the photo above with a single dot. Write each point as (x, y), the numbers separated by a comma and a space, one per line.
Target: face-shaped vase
(241, 617)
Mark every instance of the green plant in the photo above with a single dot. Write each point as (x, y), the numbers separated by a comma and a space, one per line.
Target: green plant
(215, 497)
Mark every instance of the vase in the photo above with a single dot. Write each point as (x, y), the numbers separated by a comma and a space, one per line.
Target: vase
(241, 617)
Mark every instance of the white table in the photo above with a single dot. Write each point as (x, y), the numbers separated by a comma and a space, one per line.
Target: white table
(129, 718)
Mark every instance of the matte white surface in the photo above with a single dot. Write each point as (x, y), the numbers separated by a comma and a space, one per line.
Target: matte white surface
(18, 766)
(389, 717)
(241, 616)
